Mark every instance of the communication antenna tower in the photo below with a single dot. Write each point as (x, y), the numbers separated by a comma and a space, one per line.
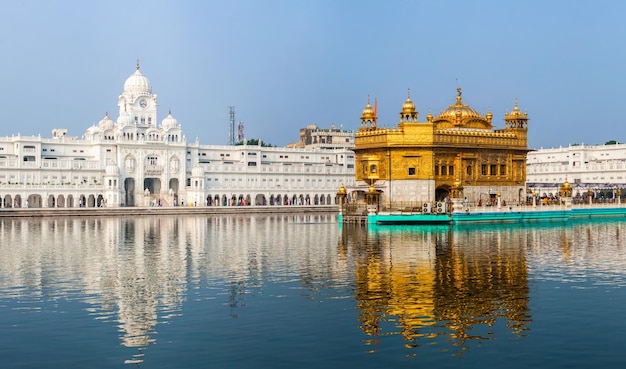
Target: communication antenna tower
(231, 125)
(240, 135)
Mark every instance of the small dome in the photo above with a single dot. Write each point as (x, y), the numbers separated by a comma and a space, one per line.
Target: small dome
(169, 122)
(197, 172)
(408, 106)
(515, 113)
(112, 170)
(125, 120)
(342, 190)
(138, 83)
(368, 112)
(106, 123)
(93, 130)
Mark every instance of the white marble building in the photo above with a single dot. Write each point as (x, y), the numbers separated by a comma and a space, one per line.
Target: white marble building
(134, 161)
(599, 168)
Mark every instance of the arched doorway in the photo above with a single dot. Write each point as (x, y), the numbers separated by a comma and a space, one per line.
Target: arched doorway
(152, 184)
(61, 201)
(442, 193)
(35, 201)
(259, 199)
(129, 189)
(173, 188)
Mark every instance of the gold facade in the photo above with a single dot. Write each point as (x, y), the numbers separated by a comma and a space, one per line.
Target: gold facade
(455, 154)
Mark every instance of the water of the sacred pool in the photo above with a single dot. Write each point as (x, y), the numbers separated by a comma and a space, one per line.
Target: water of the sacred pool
(302, 291)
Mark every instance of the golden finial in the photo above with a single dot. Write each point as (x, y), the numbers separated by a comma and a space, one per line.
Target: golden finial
(458, 94)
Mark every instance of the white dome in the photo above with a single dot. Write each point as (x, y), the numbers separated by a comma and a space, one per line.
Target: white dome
(137, 83)
(106, 123)
(112, 170)
(92, 131)
(125, 120)
(169, 122)
(197, 172)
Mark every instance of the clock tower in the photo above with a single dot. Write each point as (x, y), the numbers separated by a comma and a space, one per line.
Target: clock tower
(138, 101)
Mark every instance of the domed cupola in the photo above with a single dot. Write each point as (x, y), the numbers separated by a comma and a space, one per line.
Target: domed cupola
(461, 115)
(368, 117)
(169, 122)
(408, 113)
(106, 123)
(125, 120)
(516, 119)
(137, 83)
(112, 170)
(92, 131)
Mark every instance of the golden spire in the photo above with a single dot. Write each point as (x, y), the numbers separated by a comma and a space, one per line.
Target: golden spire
(368, 112)
(137, 65)
(408, 107)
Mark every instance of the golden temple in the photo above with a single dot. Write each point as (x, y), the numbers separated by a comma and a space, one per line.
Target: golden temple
(457, 154)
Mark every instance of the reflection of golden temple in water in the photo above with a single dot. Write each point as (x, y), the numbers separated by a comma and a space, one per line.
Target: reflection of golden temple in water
(440, 281)
(457, 282)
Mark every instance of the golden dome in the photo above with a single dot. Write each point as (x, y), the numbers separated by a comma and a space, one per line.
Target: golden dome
(459, 110)
(342, 190)
(515, 113)
(368, 112)
(408, 106)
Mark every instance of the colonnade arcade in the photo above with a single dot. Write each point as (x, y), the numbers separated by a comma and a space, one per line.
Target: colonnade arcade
(27, 200)
(272, 200)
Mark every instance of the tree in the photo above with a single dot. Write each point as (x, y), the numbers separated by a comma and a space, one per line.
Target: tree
(254, 142)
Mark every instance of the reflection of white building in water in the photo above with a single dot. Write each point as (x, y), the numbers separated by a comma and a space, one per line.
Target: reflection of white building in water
(136, 273)
(599, 168)
(133, 161)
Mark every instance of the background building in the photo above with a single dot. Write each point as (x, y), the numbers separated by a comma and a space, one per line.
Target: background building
(134, 161)
(600, 169)
(325, 138)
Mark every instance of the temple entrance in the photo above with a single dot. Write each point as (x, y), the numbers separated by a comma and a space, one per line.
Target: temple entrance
(441, 194)
(129, 189)
(174, 189)
(154, 186)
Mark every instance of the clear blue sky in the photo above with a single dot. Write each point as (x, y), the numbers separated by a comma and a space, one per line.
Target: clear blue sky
(287, 64)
